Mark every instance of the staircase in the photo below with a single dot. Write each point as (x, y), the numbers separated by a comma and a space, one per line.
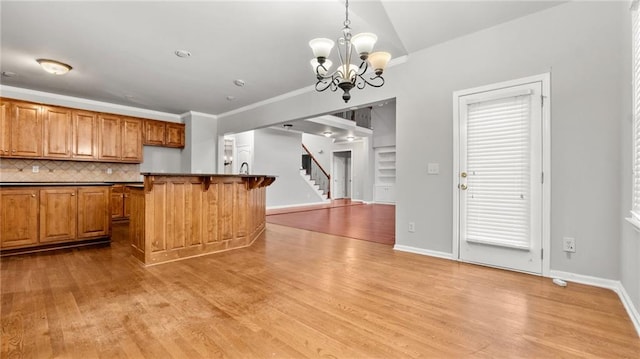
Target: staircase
(313, 185)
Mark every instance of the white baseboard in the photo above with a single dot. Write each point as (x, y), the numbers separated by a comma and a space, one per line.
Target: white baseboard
(296, 205)
(614, 285)
(423, 251)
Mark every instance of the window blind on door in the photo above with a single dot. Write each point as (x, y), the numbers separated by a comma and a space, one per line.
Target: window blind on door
(636, 111)
(499, 172)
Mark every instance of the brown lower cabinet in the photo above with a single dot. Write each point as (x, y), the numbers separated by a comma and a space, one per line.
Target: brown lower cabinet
(42, 216)
(19, 217)
(120, 202)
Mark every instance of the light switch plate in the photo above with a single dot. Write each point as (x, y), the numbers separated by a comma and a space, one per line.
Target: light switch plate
(433, 168)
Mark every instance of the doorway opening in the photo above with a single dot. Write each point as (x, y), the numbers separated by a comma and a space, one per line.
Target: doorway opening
(341, 174)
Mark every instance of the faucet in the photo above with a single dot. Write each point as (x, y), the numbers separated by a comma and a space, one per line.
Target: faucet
(246, 168)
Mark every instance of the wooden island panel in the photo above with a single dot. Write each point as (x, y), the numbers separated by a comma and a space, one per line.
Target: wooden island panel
(182, 216)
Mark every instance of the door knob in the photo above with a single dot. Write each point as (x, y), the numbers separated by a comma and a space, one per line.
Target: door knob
(463, 187)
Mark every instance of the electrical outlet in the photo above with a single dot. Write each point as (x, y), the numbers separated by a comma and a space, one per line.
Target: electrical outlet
(412, 227)
(35, 169)
(109, 171)
(569, 244)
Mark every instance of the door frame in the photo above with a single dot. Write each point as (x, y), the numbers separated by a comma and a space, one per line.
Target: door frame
(333, 154)
(545, 79)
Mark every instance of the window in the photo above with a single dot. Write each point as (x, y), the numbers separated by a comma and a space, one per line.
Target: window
(635, 210)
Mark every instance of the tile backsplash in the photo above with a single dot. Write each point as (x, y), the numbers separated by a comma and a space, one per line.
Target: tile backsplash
(22, 170)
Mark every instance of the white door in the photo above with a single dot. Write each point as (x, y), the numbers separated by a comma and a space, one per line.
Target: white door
(341, 175)
(500, 177)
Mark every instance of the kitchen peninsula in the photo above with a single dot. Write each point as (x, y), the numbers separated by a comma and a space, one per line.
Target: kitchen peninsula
(178, 216)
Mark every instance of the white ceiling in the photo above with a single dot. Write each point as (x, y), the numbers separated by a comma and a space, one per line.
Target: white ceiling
(123, 52)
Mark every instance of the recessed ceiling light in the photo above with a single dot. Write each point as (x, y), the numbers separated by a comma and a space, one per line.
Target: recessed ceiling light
(231, 98)
(54, 67)
(239, 82)
(182, 53)
(327, 133)
(350, 138)
(8, 74)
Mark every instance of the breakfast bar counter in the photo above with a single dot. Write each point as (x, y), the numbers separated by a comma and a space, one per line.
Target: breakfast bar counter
(177, 216)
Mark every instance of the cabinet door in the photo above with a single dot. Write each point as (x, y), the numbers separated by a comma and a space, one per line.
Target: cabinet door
(57, 132)
(117, 202)
(127, 202)
(18, 217)
(154, 133)
(26, 130)
(110, 138)
(58, 214)
(5, 128)
(93, 212)
(85, 135)
(175, 135)
(132, 140)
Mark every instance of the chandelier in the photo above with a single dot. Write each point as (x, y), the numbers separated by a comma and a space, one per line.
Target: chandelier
(347, 75)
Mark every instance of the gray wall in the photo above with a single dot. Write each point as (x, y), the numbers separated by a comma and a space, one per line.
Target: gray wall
(581, 45)
(320, 147)
(161, 159)
(278, 153)
(383, 121)
(201, 147)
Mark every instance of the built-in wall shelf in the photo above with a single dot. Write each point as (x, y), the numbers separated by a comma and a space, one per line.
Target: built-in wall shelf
(385, 174)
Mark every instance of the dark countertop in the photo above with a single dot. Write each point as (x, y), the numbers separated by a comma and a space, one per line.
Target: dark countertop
(53, 184)
(203, 175)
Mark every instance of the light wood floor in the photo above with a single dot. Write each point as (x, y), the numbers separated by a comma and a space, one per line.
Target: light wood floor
(297, 294)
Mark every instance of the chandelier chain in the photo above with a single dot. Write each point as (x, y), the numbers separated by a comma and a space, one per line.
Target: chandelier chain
(347, 22)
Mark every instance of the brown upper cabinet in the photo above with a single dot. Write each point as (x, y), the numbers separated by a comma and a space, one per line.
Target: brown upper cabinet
(166, 134)
(5, 128)
(154, 132)
(174, 135)
(22, 130)
(32, 130)
(85, 135)
(120, 138)
(58, 129)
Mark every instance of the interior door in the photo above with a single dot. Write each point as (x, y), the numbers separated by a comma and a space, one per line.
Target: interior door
(500, 178)
(338, 189)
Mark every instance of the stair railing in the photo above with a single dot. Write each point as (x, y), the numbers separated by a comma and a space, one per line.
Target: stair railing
(318, 174)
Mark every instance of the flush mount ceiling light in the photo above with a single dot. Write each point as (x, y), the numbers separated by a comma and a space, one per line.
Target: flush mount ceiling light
(350, 138)
(182, 53)
(54, 67)
(348, 75)
(327, 133)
